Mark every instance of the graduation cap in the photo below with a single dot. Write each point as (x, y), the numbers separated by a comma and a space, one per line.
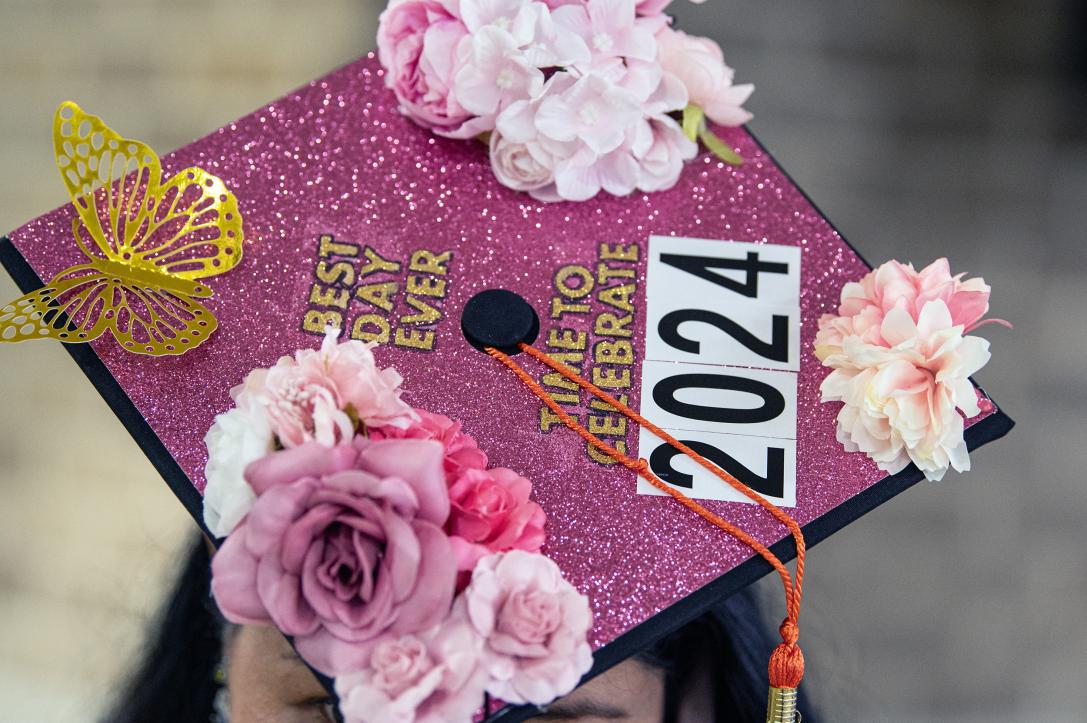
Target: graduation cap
(661, 342)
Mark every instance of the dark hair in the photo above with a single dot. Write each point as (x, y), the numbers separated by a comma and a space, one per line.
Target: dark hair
(722, 654)
(175, 681)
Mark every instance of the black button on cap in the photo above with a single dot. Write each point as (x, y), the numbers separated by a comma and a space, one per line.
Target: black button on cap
(500, 319)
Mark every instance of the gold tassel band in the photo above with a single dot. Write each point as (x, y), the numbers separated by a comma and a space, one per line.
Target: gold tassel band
(781, 706)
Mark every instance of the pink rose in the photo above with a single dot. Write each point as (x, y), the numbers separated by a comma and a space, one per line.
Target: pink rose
(342, 546)
(417, 44)
(431, 677)
(319, 393)
(521, 166)
(461, 451)
(491, 512)
(534, 625)
(700, 65)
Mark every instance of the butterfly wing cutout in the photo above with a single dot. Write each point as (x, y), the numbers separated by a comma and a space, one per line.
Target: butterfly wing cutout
(188, 227)
(147, 244)
(83, 302)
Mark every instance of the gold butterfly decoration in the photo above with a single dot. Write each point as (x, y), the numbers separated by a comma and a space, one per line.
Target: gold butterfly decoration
(148, 245)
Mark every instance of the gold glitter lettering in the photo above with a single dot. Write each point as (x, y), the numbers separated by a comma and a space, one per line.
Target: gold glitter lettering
(605, 407)
(619, 252)
(597, 456)
(609, 324)
(611, 378)
(376, 262)
(380, 295)
(558, 308)
(554, 379)
(605, 273)
(371, 327)
(426, 286)
(566, 339)
(613, 352)
(549, 419)
(584, 286)
(618, 296)
(427, 313)
(427, 262)
(324, 296)
(328, 246)
(315, 321)
(414, 339)
(608, 425)
(341, 273)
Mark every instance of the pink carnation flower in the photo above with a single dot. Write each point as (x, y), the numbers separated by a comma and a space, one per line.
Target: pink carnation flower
(342, 546)
(491, 512)
(319, 393)
(429, 677)
(902, 401)
(461, 451)
(892, 285)
(534, 625)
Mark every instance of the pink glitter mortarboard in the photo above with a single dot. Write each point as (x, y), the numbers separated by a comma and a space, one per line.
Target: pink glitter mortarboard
(333, 173)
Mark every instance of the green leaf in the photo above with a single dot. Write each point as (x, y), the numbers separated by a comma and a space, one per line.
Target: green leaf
(719, 148)
(693, 121)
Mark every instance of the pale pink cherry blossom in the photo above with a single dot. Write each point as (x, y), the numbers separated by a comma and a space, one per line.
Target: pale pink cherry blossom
(532, 28)
(523, 158)
(495, 73)
(662, 163)
(902, 402)
(610, 28)
(594, 110)
(586, 174)
(644, 7)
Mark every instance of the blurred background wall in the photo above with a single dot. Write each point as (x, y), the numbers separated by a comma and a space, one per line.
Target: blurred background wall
(922, 128)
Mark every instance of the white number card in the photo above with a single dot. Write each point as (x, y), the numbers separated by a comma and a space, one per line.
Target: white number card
(721, 362)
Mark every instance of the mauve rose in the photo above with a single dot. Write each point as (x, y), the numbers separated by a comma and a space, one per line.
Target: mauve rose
(461, 451)
(491, 512)
(534, 625)
(700, 65)
(417, 44)
(343, 544)
(429, 677)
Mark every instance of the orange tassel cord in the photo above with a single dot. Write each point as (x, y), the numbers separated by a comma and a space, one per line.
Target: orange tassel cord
(786, 667)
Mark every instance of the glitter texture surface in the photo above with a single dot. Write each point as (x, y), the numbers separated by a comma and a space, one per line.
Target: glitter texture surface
(335, 157)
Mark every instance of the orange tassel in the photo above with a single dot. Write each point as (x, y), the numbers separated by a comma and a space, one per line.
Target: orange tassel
(787, 661)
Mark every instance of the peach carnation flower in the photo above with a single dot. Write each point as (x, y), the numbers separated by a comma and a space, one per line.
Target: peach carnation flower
(902, 401)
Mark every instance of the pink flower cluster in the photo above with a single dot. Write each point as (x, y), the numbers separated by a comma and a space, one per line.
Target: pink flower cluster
(901, 359)
(384, 545)
(575, 96)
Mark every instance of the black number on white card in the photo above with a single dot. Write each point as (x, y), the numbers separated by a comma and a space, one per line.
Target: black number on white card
(664, 394)
(772, 485)
(701, 266)
(777, 348)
